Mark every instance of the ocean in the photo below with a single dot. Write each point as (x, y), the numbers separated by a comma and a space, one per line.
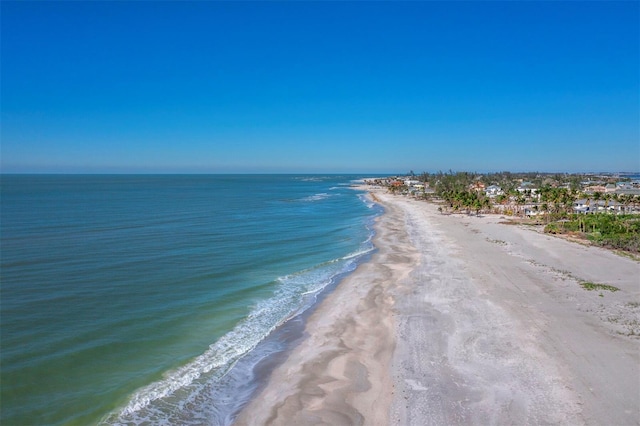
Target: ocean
(137, 299)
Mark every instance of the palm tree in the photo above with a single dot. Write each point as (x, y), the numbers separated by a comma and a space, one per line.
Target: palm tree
(544, 192)
(568, 199)
(486, 203)
(545, 209)
(521, 201)
(626, 200)
(607, 199)
(477, 206)
(597, 196)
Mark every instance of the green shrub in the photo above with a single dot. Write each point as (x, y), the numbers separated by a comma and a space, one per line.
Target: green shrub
(620, 232)
(594, 286)
(552, 228)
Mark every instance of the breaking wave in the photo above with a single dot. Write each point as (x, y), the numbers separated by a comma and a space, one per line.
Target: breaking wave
(195, 392)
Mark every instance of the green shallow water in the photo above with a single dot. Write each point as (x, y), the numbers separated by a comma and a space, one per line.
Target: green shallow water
(111, 284)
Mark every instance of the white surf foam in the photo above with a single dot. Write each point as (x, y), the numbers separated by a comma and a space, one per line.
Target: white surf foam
(295, 293)
(316, 197)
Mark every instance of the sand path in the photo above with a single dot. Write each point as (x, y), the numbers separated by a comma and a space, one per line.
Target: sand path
(463, 320)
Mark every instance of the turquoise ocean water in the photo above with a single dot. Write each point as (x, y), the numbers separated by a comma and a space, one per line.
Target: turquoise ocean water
(162, 299)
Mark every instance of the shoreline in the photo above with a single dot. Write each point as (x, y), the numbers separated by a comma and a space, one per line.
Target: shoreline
(339, 374)
(459, 320)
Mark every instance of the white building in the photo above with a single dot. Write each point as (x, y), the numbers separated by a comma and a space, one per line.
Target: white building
(493, 190)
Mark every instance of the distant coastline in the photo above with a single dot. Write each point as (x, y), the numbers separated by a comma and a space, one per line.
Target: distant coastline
(596, 209)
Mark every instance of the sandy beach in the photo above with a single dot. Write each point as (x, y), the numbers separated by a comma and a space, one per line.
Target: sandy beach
(465, 320)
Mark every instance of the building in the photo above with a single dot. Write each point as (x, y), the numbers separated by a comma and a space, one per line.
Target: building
(527, 186)
(493, 190)
(587, 205)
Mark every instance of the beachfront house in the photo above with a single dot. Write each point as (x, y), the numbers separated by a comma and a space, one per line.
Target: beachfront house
(477, 186)
(632, 191)
(594, 188)
(587, 205)
(610, 187)
(532, 211)
(528, 189)
(527, 186)
(493, 191)
(623, 185)
(611, 206)
(581, 206)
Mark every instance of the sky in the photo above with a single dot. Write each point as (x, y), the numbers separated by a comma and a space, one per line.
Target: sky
(319, 87)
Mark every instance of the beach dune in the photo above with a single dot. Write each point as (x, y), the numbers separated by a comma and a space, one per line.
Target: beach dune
(465, 320)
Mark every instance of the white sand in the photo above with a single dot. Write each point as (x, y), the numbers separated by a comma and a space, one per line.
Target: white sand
(463, 320)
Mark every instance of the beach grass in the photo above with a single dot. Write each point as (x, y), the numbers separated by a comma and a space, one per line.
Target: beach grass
(595, 286)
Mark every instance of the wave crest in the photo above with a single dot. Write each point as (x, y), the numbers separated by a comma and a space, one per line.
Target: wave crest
(317, 197)
(295, 293)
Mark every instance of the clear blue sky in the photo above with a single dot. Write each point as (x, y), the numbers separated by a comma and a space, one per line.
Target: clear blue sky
(320, 87)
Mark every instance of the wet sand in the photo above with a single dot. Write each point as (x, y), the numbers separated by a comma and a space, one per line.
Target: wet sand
(464, 320)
